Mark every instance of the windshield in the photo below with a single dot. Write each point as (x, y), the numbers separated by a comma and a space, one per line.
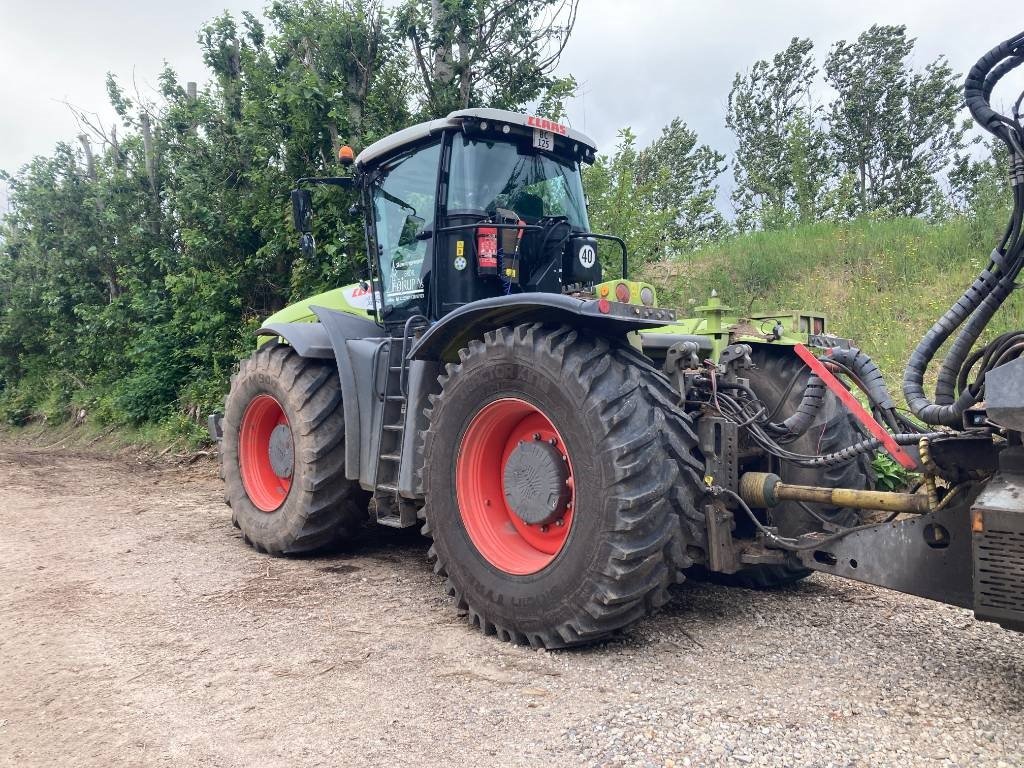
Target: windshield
(486, 175)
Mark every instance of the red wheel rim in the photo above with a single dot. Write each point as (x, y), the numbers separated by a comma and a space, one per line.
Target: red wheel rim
(500, 536)
(266, 489)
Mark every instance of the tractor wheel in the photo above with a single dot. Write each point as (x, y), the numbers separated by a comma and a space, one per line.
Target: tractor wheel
(779, 382)
(283, 454)
(559, 486)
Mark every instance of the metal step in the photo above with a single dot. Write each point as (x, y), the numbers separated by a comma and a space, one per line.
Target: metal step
(404, 517)
(394, 427)
(391, 457)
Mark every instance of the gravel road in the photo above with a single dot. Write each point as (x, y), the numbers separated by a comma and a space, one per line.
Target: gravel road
(137, 629)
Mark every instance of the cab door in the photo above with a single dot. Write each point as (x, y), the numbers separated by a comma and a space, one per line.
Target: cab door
(403, 198)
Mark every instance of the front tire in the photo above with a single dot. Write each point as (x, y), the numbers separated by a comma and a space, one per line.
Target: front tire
(560, 487)
(283, 454)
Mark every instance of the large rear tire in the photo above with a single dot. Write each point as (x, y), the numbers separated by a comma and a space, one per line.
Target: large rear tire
(779, 383)
(560, 486)
(283, 454)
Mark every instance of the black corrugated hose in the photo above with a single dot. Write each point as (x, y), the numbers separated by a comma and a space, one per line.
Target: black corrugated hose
(975, 308)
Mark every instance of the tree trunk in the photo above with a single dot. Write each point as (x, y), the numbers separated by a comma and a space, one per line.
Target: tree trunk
(151, 171)
(90, 162)
(863, 186)
(443, 69)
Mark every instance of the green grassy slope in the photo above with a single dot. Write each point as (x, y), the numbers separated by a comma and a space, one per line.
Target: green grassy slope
(881, 283)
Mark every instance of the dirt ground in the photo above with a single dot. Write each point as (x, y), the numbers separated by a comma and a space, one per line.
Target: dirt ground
(137, 629)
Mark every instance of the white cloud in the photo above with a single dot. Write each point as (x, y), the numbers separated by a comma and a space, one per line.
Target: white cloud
(53, 51)
(640, 63)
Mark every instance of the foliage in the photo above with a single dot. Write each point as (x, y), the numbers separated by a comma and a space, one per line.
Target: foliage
(890, 474)
(496, 53)
(681, 175)
(893, 129)
(661, 199)
(782, 167)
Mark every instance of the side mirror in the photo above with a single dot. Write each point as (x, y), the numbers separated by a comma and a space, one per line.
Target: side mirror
(307, 247)
(302, 210)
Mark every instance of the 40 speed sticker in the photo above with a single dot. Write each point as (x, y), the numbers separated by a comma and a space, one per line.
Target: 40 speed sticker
(587, 256)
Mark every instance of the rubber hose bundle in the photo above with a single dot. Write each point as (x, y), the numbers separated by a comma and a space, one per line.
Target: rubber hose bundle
(797, 424)
(860, 365)
(975, 308)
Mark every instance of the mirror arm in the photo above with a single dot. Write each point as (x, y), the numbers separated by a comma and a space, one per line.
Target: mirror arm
(346, 182)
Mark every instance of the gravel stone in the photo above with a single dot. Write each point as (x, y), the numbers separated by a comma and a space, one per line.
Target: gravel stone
(137, 629)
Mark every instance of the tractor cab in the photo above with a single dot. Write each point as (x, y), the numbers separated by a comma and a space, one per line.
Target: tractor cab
(481, 204)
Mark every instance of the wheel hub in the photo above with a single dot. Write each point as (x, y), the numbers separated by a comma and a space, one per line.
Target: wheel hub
(282, 451)
(515, 486)
(535, 484)
(266, 455)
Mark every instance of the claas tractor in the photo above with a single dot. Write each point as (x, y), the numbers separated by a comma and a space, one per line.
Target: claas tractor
(573, 448)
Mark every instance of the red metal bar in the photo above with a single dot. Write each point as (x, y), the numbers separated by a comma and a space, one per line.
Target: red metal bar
(877, 430)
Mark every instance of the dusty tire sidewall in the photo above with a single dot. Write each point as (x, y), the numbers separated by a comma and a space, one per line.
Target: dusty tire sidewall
(545, 594)
(269, 530)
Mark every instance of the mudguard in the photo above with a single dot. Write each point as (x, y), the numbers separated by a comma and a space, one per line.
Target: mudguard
(309, 339)
(326, 340)
(449, 334)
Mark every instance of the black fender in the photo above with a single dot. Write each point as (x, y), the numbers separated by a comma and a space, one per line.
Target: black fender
(309, 339)
(452, 332)
(326, 340)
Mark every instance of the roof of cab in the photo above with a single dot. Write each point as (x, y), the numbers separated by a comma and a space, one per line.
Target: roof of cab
(414, 133)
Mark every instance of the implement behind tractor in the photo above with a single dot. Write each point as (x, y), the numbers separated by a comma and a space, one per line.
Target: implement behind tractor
(573, 448)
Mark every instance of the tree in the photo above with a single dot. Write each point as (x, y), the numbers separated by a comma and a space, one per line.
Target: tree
(135, 265)
(893, 129)
(680, 174)
(781, 168)
(495, 53)
(660, 200)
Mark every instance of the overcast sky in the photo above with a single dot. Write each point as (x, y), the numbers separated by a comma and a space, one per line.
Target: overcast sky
(640, 63)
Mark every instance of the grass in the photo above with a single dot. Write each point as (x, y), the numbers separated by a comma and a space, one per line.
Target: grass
(159, 440)
(881, 283)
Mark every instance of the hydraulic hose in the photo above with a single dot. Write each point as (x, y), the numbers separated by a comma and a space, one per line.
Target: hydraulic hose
(800, 421)
(859, 366)
(972, 312)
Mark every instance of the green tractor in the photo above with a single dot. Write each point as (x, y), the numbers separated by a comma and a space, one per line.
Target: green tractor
(572, 448)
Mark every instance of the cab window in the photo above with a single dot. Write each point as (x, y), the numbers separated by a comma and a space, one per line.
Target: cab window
(404, 193)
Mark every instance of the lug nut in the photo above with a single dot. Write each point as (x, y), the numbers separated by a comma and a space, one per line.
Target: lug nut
(552, 441)
(536, 435)
(559, 522)
(544, 529)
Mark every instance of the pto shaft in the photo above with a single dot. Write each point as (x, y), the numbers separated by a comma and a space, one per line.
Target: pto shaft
(764, 490)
